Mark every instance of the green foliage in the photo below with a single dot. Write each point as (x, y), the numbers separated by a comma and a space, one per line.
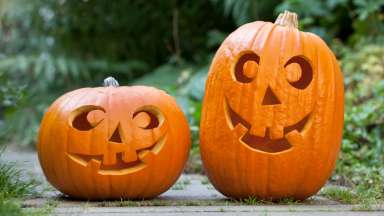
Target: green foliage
(51, 47)
(362, 157)
(10, 93)
(362, 154)
(244, 11)
(364, 197)
(343, 195)
(333, 18)
(10, 207)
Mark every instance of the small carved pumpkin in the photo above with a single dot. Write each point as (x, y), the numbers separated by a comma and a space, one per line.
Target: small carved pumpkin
(113, 142)
(272, 114)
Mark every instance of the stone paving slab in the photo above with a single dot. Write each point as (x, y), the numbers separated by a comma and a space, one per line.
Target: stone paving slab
(191, 195)
(220, 210)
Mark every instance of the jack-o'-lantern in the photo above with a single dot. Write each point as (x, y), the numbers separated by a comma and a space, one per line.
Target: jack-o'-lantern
(272, 114)
(113, 142)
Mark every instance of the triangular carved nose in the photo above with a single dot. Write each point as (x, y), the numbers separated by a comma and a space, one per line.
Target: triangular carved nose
(270, 98)
(116, 137)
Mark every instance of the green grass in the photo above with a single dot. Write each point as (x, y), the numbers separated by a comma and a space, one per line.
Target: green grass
(13, 189)
(287, 201)
(163, 202)
(362, 196)
(11, 183)
(343, 195)
(10, 207)
(43, 211)
(257, 201)
(160, 202)
(251, 201)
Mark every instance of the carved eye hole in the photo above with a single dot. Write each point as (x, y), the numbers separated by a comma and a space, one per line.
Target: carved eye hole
(298, 72)
(86, 117)
(247, 67)
(148, 117)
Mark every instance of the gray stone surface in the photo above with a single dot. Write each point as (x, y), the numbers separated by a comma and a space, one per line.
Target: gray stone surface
(191, 195)
(218, 210)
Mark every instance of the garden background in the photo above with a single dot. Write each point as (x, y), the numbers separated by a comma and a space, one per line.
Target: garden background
(49, 47)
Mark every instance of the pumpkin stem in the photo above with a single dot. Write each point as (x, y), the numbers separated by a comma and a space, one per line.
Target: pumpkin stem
(110, 82)
(288, 19)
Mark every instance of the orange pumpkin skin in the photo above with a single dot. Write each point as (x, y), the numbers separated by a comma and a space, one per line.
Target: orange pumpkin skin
(113, 142)
(272, 113)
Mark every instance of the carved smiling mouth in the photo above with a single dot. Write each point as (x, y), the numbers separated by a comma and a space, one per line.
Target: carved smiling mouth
(264, 144)
(120, 167)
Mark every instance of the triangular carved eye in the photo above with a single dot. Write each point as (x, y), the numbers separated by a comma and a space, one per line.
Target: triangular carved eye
(86, 117)
(298, 72)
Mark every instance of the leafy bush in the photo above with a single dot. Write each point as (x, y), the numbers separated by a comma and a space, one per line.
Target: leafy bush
(54, 46)
(244, 11)
(362, 156)
(343, 19)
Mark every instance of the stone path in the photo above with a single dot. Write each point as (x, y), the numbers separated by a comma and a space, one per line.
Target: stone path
(191, 195)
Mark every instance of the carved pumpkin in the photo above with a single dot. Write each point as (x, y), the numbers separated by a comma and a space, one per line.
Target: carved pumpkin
(113, 142)
(272, 114)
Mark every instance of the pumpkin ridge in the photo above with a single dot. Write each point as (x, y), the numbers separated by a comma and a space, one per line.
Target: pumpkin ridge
(80, 189)
(62, 107)
(47, 127)
(257, 33)
(108, 104)
(66, 179)
(96, 101)
(281, 39)
(298, 189)
(125, 97)
(77, 97)
(142, 96)
(266, 38)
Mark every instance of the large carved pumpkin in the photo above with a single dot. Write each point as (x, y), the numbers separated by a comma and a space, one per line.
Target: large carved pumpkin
(272, 115)
(113, 142)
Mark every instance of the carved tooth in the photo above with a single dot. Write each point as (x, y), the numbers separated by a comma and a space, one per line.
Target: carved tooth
(295, 138)
(95, 164)
(146, 156)
(276, 132)
(240, 130)
(109, 158)
(143, 153)
(258, 131)
(129, 156)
